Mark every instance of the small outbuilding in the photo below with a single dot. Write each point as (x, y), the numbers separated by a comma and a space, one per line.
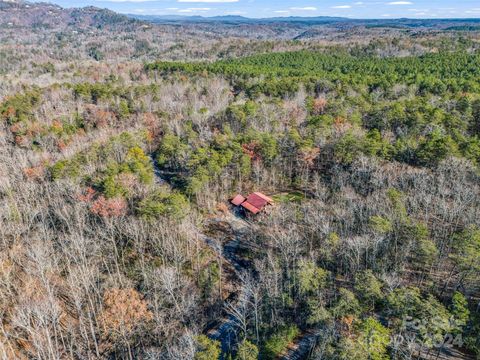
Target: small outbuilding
(238, 200)
(253, 203)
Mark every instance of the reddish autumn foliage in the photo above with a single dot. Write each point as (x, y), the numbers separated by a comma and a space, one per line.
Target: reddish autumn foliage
(101, 206)
(346, 324)
(153, 127)
(61, 145)
(99, 118)
(251, 150)
(309, 156)
(9, 113)
(319, 106)
(124, 312)
(24, 132)
(341, 125)
(16, 128)
(34, 173)
(109, 207)
(88, 195)
(21, 140)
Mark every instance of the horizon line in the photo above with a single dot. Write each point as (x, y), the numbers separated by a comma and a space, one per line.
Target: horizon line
(293, 16)
(280, 17)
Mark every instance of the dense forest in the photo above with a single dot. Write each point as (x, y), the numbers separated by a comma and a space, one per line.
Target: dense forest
(416, 110)
(117, 236)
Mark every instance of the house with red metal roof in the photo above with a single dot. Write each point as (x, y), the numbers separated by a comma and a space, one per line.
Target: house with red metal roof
(253, 203)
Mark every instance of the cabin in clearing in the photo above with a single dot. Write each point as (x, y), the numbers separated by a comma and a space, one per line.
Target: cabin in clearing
(253, 203)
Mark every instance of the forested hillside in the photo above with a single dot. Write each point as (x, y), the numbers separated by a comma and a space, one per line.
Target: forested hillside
(119, 158)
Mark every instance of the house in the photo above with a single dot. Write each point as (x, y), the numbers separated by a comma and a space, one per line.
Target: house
(253, 203)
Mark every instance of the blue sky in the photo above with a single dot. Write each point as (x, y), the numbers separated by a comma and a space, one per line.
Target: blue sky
(273, 8)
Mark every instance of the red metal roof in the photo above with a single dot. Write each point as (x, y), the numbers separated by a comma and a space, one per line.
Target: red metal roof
(264, 197)
(254, 203)
(257, 201)
(238, 200)
(250, 207)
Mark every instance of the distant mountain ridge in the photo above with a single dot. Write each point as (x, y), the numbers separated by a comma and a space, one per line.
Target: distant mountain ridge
(19, 13)
(24, 14)
(319, 20)
(236, 19)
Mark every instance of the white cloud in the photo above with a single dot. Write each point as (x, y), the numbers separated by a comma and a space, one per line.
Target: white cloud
(193, 10)
(207, 1)
(306, 8)
(400, 3)
(341, 7)
(127, 1)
